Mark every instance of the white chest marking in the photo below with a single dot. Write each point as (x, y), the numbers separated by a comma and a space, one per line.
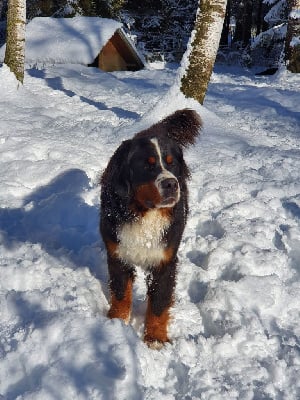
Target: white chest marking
(140, 240)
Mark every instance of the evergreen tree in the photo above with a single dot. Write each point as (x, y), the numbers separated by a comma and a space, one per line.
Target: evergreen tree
(107, 8)
(60, 8)
(163, 26)
(268, 46)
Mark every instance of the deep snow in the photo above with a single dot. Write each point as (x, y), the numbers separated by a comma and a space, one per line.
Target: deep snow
(75, 40)
(235, 326)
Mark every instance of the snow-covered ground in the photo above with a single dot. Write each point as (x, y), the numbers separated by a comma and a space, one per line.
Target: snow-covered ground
(236, 320)
(75, 40)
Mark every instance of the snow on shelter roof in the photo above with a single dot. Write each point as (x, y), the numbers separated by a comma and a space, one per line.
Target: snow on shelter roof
(75, 40)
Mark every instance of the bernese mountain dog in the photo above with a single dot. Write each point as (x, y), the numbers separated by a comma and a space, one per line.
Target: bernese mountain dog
(144, 207)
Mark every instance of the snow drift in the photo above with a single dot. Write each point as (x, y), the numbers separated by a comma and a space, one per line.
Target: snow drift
(235, 328)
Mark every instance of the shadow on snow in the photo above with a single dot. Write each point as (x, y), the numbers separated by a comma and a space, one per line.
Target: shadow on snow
(73, 372)
(57, 217)
(57, 84)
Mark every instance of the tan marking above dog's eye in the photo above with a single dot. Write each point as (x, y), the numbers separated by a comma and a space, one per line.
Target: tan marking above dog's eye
(151, 160)
(169, 159)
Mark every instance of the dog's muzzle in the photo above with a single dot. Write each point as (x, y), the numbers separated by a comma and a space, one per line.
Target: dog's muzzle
(168, 188)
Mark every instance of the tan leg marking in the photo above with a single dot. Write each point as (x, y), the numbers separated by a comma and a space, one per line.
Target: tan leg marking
(122, 308)
(156, 328)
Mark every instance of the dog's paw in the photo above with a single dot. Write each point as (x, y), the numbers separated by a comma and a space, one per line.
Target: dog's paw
(154, 344)
(125, 315)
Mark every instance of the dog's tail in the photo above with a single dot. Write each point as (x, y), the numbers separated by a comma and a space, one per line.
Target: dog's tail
(183, 126)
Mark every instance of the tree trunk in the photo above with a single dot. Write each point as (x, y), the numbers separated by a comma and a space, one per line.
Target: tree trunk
(225, 30)
(247, 23)
(204, 47)
(292, 43)
(15, 37)
(244, 23)
(259, 17)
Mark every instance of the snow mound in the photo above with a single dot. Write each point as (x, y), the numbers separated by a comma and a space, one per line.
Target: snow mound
(75, 40)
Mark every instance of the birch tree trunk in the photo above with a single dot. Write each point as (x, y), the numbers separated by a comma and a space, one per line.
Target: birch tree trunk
(15, 37)
(207, 33)
(292, 43)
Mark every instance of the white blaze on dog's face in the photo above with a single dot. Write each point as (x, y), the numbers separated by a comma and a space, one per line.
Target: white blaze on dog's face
(155, 166)
(166, 182)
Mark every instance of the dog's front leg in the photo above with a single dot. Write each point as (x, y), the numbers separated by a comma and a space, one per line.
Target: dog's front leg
(160, 298)
(121, 282)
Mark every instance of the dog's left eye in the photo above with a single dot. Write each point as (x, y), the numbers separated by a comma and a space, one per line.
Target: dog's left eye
(169, 159)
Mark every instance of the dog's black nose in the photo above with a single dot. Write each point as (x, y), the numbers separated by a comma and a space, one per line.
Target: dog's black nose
(169, 184)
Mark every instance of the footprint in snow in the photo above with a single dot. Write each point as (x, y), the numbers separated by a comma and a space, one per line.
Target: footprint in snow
(210, 228)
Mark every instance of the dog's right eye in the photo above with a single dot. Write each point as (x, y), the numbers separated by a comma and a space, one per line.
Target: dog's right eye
(151, 160)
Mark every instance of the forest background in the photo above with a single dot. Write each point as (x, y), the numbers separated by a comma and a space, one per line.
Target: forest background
(253, 32)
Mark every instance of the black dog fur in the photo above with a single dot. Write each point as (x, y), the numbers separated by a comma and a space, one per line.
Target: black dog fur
(144, 207)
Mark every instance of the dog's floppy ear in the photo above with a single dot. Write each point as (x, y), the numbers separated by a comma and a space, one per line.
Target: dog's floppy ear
(116, 175)
(183, 126)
